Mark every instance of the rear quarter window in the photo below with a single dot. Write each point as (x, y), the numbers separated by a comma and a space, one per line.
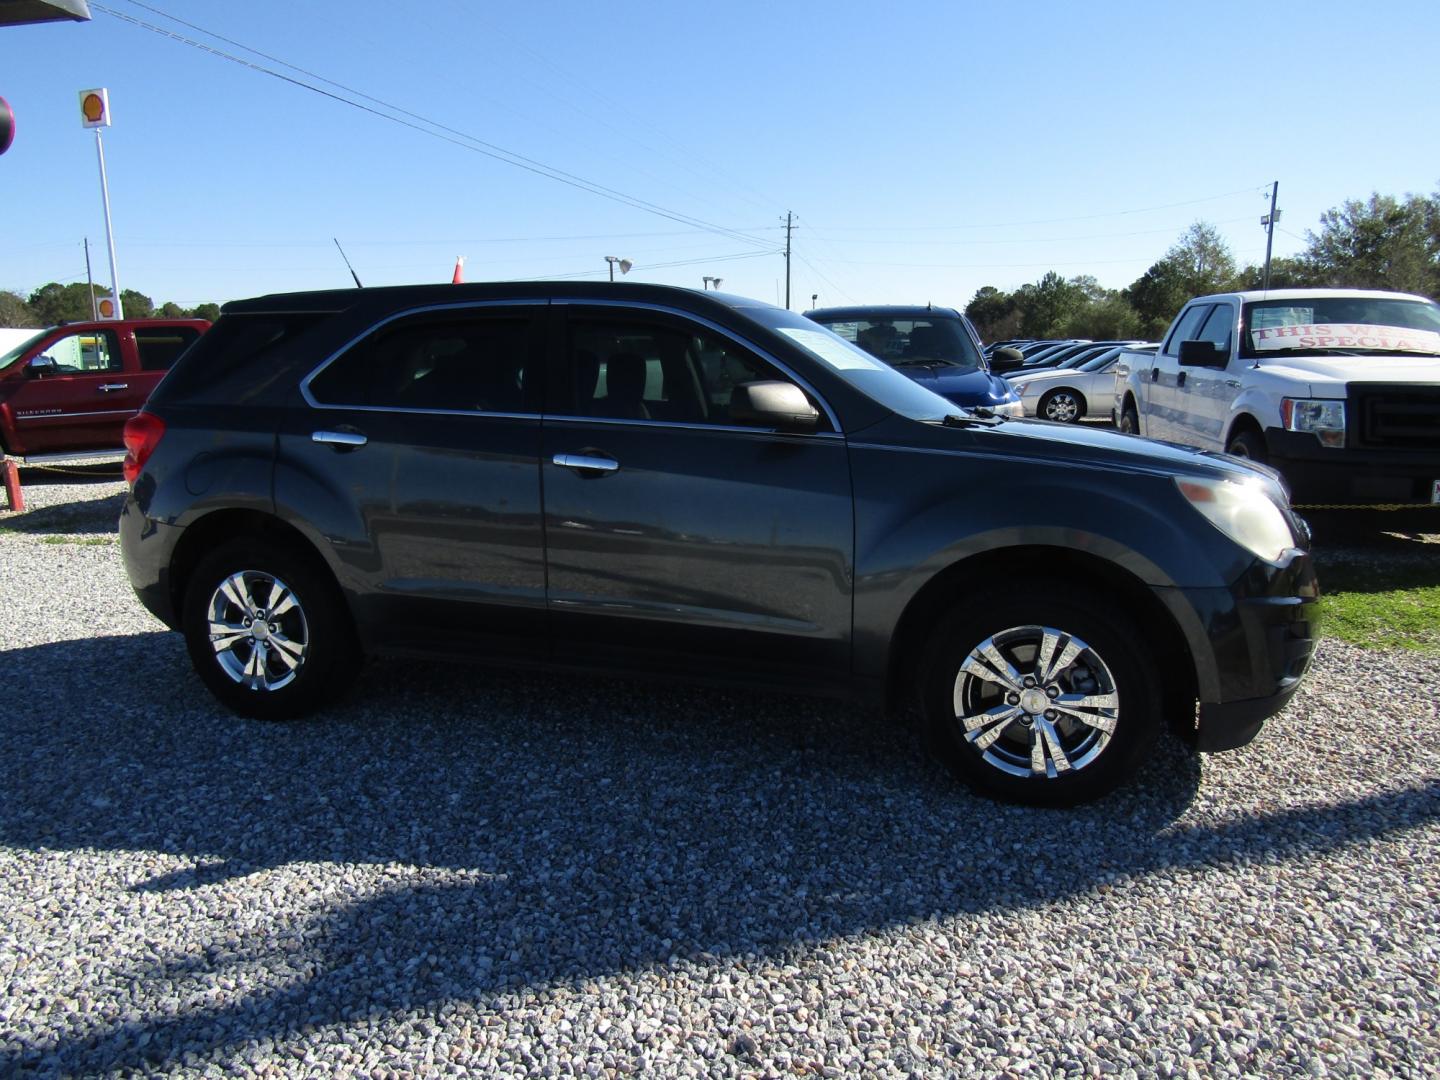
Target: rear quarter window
(235, 359)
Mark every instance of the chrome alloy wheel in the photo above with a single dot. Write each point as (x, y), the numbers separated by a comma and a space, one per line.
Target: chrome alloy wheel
(258, 630)
(1062, 406)
(1033, 701)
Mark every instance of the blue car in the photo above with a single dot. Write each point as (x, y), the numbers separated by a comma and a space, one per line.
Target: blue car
(935, 346)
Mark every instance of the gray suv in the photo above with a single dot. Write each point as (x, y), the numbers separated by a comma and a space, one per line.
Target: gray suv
(656, 481)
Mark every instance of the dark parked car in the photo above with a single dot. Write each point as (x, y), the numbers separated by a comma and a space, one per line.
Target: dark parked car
(659, 481)
(935, 346)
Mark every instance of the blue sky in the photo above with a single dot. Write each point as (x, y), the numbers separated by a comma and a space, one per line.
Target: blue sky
(926, 149)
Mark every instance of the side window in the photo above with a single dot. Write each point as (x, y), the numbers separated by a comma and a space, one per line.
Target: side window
(1187, 328)
(643, 370)
(161, 346)
(455, 363)
(1218, 327)
(87, 352)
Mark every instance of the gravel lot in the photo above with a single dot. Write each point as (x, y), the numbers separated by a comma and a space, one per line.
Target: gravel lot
(469, 872)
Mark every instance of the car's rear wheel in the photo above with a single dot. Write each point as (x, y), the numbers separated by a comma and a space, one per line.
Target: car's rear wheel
(1040, 697)
(267, 630)
(1061, 404)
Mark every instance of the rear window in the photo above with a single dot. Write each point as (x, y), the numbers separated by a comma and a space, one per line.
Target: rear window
(235, 344)
(161, 346)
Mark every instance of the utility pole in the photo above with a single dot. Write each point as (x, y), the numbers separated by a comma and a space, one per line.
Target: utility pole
(1269, 221)
(788, 226)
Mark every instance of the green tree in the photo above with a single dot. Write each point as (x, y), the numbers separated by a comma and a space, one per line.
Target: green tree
(1049, 304)
(54, 303)
(205, 311)
(1385, 243)
(1285, 273)
(170, 310)
(993, 312)
(1109, 317)
(15, 312)
(136, 304)
(1197, 264)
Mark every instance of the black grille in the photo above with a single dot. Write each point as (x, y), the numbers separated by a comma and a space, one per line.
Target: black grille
(1396, 416)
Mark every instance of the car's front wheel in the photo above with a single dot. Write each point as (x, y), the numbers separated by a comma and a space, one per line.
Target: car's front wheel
(1061, 404)
(267, 630)
(1037, 698)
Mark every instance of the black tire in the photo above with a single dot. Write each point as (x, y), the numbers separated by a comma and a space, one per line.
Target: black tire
(1077, 760)
(302, 656)
(1067, 404)
(1130, 420)
(1248, 444)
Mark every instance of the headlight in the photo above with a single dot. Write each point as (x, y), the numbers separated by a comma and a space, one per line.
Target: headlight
(1243, 511)
(1009, 408)
(1323, 418)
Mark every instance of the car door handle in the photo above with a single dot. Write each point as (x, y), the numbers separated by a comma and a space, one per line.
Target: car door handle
(340, 440)
(1154, 374)
(105, 388)
(586, 462)
(1180, 378)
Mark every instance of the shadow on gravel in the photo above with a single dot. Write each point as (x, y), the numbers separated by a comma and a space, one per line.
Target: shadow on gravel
(88, 512)
(545, 829)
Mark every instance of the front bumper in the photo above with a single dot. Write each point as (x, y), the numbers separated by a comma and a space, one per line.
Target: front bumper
(1335, 476)
(1251, 644)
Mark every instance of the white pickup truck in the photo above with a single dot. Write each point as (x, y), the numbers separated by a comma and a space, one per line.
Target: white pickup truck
(1339, 389)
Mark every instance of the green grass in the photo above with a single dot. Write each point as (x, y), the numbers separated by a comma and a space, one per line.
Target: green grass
(1390, 601)
(85, 541)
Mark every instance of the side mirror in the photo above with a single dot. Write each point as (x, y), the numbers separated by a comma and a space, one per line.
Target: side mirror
(1203, 354)
(43, 364)
(775, 404)
(1006, 359)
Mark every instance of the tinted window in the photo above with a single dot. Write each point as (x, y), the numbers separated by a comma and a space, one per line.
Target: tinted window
(650, 370)
(161, 346)
(452, 362)
(906, 342)
(1186, 329)
(1218, 326)
(230, 360)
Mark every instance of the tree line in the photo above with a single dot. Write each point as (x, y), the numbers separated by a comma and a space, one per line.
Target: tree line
(1383, 243)
(56, 303)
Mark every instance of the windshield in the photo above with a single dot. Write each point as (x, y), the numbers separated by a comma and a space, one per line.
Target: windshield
(19, 350)
(1343, 325)
(876, 380)
(916, 342)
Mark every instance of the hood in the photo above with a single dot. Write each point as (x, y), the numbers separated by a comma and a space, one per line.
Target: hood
(1335, 371)
(1020, 381)
(964, 386)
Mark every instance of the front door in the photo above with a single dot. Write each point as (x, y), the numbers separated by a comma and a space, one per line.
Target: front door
(77, 397)
(677, 536)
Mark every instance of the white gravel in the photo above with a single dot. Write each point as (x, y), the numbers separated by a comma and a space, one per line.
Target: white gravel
(469, 873)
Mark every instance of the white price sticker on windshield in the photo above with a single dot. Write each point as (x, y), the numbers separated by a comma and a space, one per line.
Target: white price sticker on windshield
(1346, 336)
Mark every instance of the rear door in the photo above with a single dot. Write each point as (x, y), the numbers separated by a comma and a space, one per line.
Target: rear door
(680, 537)
(425, 433)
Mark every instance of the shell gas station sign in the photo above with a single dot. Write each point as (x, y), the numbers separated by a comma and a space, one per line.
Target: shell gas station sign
(95, 108)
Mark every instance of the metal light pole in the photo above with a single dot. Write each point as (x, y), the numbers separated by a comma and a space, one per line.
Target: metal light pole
(615, 260)
(95, 113)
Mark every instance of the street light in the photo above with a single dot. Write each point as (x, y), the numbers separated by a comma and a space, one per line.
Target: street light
(711, 281)
(625, 265)
(813, 297)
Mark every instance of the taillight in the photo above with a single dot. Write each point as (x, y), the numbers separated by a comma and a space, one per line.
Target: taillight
(142, 436)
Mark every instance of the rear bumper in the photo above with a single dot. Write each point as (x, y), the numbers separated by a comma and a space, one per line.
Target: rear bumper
(1251, 644)
(1323, 475)
(147, 548)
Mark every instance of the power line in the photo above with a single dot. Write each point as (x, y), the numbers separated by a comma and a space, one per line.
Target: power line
(1037, 221)
(481, 146)
(1030, 240)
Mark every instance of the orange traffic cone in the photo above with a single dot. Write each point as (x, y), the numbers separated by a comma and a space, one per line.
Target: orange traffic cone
(459, 277)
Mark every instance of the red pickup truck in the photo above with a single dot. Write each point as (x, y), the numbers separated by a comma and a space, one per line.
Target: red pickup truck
(68, 390)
